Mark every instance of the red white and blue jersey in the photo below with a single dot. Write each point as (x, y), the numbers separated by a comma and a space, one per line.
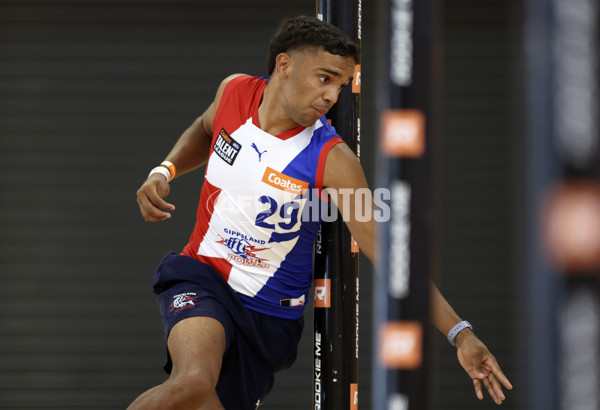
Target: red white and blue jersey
(255, 223)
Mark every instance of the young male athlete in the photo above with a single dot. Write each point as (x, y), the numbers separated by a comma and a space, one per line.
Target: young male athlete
(232, 301)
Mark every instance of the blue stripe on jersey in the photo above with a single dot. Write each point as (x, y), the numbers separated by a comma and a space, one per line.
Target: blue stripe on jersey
(295, 271)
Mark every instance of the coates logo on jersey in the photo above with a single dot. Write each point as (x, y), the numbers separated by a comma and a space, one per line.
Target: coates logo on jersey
(226, 147)
(284, 182)
(244, 253)
(182, 301)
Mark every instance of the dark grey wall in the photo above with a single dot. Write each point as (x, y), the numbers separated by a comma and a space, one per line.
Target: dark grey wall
(92, 96)
(474, 192)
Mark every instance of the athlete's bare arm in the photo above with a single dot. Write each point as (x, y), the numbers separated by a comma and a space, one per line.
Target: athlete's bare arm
(344, 175)
(189, 152)
(343, 171)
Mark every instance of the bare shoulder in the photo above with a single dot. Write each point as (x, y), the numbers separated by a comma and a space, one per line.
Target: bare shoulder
(341, 153)
(343, 169)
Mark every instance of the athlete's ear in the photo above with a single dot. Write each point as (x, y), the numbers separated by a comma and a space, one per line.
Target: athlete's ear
(283, 64)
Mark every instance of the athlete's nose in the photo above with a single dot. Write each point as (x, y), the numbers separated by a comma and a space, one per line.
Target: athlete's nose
(331, 95)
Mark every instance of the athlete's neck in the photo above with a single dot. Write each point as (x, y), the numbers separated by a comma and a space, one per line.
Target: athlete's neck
(272, 114)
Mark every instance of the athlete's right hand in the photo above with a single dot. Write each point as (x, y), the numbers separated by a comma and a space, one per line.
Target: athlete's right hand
(150, 199)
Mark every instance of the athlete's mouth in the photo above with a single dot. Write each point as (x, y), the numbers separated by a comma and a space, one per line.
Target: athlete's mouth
(321, 111)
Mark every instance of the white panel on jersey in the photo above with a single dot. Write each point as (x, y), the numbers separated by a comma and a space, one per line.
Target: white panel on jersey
(249, 211)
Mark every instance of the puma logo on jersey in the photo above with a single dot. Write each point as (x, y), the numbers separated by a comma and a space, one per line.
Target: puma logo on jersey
(226, 147)
(258, 151)
(284, 182)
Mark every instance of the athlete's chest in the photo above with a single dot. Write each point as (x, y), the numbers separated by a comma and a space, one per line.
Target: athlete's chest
(262, 181)
(248, 156)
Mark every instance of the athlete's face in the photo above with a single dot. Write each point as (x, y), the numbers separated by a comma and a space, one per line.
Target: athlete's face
(313, 84)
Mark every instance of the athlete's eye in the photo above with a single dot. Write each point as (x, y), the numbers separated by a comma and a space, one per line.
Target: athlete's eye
(324, 78)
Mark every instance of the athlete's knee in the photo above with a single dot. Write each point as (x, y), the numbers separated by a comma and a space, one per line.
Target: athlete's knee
(194, 384)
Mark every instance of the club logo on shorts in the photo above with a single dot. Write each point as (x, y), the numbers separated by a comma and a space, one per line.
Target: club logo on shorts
(182, 301)
(226, 147)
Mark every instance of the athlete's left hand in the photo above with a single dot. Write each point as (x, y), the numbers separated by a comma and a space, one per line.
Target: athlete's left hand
(481, 366)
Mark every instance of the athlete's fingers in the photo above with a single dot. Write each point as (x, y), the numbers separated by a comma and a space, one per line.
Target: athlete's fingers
(496, 386)
(500, 376)
(157, 200)
(145, 213)
(151, 213)
(150, 198)
(491, 391)
(478, 391)
(477, 371)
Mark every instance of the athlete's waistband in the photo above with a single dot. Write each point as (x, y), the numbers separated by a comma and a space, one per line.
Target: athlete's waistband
(177, 268)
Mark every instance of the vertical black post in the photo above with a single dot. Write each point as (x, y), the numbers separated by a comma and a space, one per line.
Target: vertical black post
(541, 286)
(401, 299)
(561, 333)
(336, 259)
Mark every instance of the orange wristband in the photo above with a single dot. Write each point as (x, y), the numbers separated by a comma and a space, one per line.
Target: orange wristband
(171, 167)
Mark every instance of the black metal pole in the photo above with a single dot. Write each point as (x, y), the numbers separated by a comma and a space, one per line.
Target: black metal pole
(401, 299)
(561, 332)
(336, 258)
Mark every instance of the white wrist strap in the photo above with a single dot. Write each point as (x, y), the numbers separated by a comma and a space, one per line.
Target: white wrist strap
(161, 170)
(171, 167)
(457, 329)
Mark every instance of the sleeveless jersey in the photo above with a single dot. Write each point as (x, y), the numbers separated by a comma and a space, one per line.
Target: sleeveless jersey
(257, 221)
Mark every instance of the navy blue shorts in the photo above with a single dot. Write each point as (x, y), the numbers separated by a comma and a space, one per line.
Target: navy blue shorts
(257, 346)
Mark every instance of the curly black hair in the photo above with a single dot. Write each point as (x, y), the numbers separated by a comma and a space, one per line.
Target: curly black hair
(305, 31)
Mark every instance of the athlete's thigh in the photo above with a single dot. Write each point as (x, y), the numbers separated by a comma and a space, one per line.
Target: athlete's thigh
(213, 403)
(197, 344)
